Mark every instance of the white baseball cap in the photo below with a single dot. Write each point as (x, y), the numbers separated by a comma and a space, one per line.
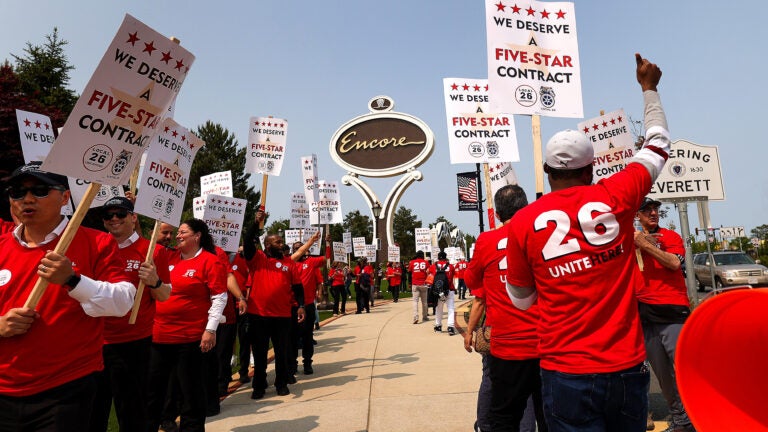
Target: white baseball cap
(569, 149)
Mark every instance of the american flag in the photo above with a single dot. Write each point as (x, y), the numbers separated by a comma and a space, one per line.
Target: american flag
(467, 188)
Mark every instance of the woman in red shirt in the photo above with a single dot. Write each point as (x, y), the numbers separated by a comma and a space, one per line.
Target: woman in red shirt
(185, 324)
(336, 275)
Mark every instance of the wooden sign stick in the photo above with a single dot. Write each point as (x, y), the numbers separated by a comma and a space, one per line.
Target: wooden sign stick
(140, 288)
(65, 240)
(538, 160)
(489, 196)
(264, 181)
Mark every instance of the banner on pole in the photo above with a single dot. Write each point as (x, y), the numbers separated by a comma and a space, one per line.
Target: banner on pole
(370, 253)
(122, 106)
(35, 134)
(475, 134)
(299, 211)
(346, 238)
(393, 254)
(533, 59)
(309, 175)
(501, 174)
(611, 137)
(198, 207)
(219, 183)
(328, 207)
(467, 191)
(266, 145)
(339, 252)
(358, 246)
(423, 238)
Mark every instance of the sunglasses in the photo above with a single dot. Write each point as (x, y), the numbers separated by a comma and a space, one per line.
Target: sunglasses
(121, 214)
(38, 191)
(649, 209)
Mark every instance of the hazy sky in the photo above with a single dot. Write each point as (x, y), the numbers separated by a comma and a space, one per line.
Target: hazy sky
(318, 63)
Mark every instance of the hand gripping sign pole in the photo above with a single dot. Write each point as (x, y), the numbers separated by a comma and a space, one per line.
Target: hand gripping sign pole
(140, 288)
(65, 241)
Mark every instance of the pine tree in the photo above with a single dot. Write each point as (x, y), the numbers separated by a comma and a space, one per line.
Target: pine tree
(404, 226)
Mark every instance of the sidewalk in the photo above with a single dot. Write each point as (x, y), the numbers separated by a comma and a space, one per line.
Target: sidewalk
(373, 372)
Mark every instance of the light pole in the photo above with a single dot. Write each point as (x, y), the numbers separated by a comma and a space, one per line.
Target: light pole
(376, 210)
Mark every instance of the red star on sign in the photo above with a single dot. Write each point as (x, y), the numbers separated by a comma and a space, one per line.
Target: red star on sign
(490, 169)
(454, 87)
(531, 11)
(269, 124)
(515, 9)
(226, 202)
(47, 126)
(613, 121)
(500, 6)
(166, 57)
(183, 138)
(586, 129)
(619, 118)
(132, 38)
(498, 166)
(465, 87)
(37, 125)
(605, 124)
(263, 123)
(166, 129)
(179, 64)
(27, 122)
(594, 126)
(477, 87)
(486, 87)
(544, 14)
(149, 47)
(191, 146)
(174, 133)
(560, 14)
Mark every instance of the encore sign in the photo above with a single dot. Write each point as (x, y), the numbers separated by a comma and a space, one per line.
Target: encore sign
(382, 143)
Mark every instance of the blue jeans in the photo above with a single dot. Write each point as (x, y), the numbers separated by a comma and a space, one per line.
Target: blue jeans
(599, 402)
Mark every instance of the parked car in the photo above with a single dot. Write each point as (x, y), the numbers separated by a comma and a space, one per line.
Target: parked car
(730, 268)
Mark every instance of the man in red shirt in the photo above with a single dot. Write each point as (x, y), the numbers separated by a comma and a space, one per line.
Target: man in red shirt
(513, 363)
(127, 346)
(394, 277)
(363, 285)
(460, 267)
(49, 355)
(418, 269)
(663, 303)
(574, 248)
(308, 267)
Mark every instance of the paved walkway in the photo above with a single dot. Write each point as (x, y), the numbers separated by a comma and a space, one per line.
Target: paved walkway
(374, 372)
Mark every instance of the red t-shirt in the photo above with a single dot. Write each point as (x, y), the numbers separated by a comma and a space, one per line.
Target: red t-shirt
(117, 329)
(6, 226)
(183, 317)
(662, 285)
(448, 272)
(367, 269)
(336, 276)
(239, 268)
(394, 275)
(576, 247)
(459, 268)
(418, 269)
(65, 343)
(309, 268)
(513, 333)
(271, 294)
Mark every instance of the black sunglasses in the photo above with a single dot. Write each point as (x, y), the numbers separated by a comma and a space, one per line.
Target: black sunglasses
(38, 191)
(121, 214)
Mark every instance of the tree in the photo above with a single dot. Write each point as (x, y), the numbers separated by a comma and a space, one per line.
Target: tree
(220, 153)
(278, 226)
(359, 225)
(44, 73)
(404, 224)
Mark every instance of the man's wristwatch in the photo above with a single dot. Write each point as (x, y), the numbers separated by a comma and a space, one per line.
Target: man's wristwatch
(72, 281)
(158, 284)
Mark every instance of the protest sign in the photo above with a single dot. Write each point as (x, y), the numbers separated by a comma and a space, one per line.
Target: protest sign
(423, 238)
(370, 253)
(299, 211)
(309, 177)
(78, 188)
(475, 134)
(346, 238)
(501, 174)
(358, 246)
(612, 139)
(219, 183)
(165, 178)
(224, 216)
(198, 207)
(36, 135)
(393, 254)
(122, 106)
(302, 235)
(328, 207)
(533, 59)
(339, 252)
(266, 145)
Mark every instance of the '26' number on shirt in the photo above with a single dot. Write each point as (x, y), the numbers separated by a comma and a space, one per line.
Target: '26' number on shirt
(596, 222)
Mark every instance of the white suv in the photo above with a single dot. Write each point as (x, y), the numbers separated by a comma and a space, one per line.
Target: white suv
(730, 268)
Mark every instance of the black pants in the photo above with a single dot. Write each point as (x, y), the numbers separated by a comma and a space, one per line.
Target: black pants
(183, 362)
(512, 382)
(124, 379)
(66, 408)
(260, 331)
(395, 290)
(339, 294)
(244, 347)
(210, 380)
(303, 333)
(462, 289)
(363, 298)
(225, 343)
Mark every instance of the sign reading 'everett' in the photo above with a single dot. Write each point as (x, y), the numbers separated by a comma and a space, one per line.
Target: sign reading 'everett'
(692, 171)
(382, 143)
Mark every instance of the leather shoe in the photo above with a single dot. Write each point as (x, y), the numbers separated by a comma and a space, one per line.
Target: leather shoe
(257, 394)
(283, 391)
(291, 379)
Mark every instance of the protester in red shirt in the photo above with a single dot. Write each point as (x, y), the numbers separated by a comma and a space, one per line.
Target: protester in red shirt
(574, 248)
(363, 285)
(418, 269)
(49, 355)
(460, 267)
(442, 271)
(336, 275)
(394, 278)
(513, 363)
(303, 332)
(127, 346)
(186, 323)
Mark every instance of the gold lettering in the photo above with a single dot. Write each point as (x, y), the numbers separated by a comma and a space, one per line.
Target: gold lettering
(347, 143)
